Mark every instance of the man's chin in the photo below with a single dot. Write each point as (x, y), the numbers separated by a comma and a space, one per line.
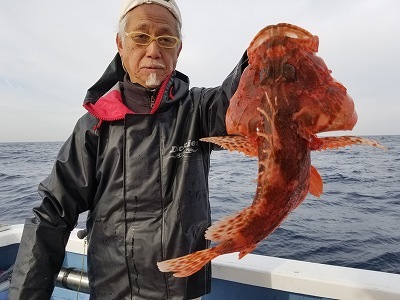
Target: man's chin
(153, 81)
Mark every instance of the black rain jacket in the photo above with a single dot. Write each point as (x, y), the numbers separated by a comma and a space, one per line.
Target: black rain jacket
(144, 180)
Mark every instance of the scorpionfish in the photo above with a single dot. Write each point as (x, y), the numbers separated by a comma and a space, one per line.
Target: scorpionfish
(285, 96)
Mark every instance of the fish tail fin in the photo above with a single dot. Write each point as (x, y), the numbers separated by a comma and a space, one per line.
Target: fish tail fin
(187, 265)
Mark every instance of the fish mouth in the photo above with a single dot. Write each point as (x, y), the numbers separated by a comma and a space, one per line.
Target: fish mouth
(342, 124)
(345, 119)
(333, 111)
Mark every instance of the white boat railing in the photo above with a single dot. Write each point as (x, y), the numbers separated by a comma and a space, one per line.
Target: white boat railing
(299, 277)
(306, 278)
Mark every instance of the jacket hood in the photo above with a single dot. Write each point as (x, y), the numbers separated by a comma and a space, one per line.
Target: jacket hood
(113, 74)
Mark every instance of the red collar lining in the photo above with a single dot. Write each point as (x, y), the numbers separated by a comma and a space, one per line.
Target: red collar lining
(110, 107)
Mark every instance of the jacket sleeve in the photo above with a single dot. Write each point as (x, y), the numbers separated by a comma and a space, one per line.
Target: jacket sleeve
(65, 193)
(215, 101)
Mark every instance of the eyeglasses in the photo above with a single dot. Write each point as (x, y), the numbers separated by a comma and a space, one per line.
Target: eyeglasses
(144, 39)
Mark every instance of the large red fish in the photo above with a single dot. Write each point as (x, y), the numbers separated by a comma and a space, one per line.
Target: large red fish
(285, 96)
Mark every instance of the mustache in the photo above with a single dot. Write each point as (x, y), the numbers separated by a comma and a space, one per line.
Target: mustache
(153, 65)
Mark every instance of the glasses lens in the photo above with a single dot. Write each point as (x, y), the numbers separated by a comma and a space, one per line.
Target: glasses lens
(141, 38)
(144, 39)
(166, 41)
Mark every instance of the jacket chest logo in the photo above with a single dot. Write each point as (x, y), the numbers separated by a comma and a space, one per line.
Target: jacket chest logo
(184, 150)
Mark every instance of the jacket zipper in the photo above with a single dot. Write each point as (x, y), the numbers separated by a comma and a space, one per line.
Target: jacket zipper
(160, 94)
(152, 100)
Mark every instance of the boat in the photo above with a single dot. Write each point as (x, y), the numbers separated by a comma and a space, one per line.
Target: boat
(253, 277)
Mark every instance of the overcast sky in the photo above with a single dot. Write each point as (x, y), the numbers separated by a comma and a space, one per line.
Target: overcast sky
(51, 52)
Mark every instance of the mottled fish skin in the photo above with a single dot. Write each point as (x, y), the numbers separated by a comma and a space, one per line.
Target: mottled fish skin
(285, 96)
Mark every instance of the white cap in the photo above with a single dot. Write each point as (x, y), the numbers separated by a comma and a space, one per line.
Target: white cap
(171, 5)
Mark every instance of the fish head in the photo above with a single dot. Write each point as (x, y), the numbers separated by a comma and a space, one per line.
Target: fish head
(285, 60)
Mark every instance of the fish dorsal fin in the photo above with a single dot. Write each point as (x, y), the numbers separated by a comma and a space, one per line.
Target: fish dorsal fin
(234, 143)
(231, 227)
(316, 182)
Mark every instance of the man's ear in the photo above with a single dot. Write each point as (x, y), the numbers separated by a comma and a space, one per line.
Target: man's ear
(180, 49)
(118, 41)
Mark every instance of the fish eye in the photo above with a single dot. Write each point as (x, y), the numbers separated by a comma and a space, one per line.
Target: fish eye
(289, 72)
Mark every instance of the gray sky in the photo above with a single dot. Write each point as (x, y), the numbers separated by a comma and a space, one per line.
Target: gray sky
(51, 53)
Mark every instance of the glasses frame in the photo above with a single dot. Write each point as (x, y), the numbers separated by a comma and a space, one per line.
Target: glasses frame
(153, 38)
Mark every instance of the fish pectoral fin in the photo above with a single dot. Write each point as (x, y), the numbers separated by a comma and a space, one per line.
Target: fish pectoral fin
(246, 251)
(343, 141)
(234, 143)
(316, 182)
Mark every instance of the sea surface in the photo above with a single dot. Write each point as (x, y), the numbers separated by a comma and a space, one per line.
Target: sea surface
(355, 223)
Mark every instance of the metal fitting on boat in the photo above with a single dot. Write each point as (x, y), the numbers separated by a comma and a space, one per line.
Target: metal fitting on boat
(73, 279)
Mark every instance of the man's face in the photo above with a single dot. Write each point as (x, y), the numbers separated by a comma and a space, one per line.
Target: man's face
(149, 65)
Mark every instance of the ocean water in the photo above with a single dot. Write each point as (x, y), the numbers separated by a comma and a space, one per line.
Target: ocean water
(355, 223)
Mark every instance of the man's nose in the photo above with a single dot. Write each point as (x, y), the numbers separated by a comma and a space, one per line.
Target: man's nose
(153, 50)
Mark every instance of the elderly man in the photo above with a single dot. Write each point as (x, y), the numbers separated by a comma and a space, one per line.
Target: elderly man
(134, 161)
